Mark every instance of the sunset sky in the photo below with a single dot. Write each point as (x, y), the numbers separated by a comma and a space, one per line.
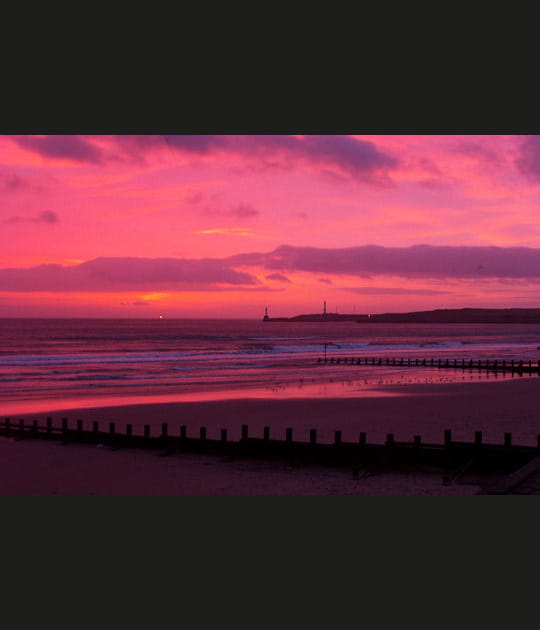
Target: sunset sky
(223, 226)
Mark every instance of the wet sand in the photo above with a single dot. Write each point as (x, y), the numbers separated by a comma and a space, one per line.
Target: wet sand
(426, 410)
(494, 408)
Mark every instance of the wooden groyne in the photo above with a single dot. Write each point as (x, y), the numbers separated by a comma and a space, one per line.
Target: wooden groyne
(494, 365)
(453, 457)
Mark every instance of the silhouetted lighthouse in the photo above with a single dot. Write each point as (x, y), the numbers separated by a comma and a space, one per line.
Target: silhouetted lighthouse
(324, 308)
(265, 318)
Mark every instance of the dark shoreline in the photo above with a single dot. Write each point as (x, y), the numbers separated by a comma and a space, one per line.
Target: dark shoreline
(438, 316)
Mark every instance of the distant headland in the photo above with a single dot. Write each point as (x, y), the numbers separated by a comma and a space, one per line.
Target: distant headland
(438, 316)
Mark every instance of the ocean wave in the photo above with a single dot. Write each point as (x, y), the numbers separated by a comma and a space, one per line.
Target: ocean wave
(290, 338)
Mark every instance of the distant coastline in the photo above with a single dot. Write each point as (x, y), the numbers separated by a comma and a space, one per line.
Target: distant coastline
(442, 316)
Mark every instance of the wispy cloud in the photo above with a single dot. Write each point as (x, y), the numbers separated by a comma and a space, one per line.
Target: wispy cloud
(477, 151)
(67, 147)
(278, 277)
(357, 158)
(240, 211)
(47, 216)
(393, 291)
(528, 159)
(233, 231)
(13, 183)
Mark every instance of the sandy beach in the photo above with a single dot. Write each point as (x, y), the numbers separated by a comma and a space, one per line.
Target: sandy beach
(426, 410)
(48, 468)
(32, 467)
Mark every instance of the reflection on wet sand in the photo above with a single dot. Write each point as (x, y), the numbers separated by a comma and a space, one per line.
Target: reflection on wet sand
(360, 382)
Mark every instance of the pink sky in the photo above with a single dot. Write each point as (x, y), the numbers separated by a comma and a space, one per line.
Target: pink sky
(222, 226)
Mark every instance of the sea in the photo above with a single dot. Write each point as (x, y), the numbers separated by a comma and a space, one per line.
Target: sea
(48, 364)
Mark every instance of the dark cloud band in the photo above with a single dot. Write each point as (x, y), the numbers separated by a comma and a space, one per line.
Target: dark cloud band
(170, 274)
(126, 274)
(357, 158)
(414, 261)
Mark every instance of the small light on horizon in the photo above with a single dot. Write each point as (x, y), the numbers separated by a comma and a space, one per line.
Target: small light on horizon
(161, 317)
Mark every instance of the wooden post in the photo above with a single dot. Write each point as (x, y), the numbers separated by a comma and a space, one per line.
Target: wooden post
(244, 431)
(95, 426)
(266, 433)
(417, 449)
(164, 430)
(79, 426)
(478, 438)
(390, 439)
(288, 434)
(146, 431)
(183, 431)
(111, 428)
(202, 434)
(313, 436)
(507, 440)
(447, 437)
(223, 435)
(64, 426)
(337, 437)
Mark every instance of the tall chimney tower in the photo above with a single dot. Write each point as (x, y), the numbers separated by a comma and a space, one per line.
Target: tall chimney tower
(324, 308)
